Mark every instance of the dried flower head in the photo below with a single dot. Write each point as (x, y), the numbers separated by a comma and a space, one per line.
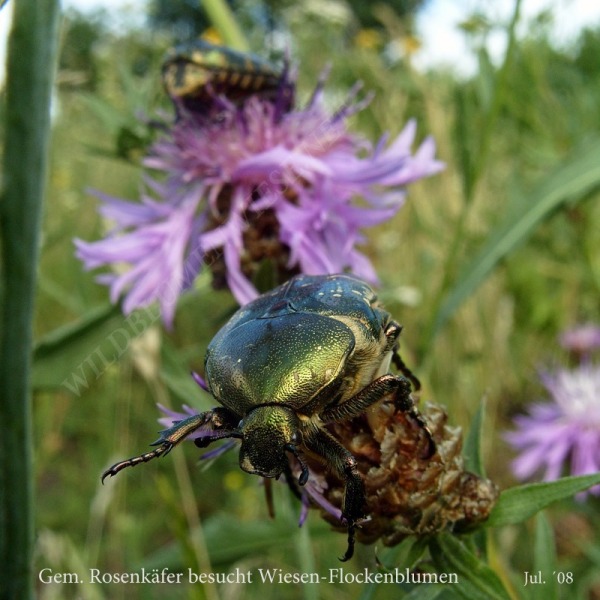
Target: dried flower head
(253, 182)
(407, 493)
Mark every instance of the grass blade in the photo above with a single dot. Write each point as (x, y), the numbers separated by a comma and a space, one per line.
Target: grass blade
(572, 181)
(517, 504)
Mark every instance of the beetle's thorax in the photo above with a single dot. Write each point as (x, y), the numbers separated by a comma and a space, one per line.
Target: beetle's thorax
(266, 432)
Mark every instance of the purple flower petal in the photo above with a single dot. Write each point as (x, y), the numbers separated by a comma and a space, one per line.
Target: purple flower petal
(582, 339)
(200, 381)
(212, 174)
(564, 434)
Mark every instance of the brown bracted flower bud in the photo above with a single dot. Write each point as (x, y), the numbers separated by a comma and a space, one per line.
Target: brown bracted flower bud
(407, 493)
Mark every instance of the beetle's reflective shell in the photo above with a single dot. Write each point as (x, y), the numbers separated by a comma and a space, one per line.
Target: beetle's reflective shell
(313, 352)
(195, 71)
(313, 341)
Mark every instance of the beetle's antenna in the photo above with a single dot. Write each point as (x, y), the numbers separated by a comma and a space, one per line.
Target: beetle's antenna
(304, 475)
(401, 366)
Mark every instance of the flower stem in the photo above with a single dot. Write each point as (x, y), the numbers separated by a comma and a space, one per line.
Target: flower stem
(224, 22)
(30, 69)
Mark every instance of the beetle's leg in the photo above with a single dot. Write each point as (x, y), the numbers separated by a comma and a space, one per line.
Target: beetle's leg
(404, 402)
(292, 481)
(372, 393)
(304, 468)
(268, 485)
(344, 465)
(215, 419)
(392, 332)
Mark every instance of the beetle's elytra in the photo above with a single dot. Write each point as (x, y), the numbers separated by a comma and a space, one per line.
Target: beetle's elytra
(196, 72)
(313, 351)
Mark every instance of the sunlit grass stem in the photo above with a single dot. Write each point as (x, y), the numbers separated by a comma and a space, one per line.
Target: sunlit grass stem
(224, 22)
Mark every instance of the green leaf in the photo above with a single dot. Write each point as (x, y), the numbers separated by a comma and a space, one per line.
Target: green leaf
(571, 181)
(229, 540)
(517, 504)
(404, 556)
(472, 447)
(425, 592)
(476, 580)
(177, 377)
(474, 463)
(544, 560)
(75, 355)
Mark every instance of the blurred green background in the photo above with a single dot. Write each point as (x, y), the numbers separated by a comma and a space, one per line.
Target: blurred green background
(484, 266)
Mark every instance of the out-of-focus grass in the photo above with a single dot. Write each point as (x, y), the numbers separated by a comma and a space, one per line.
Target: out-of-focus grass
(491, 346)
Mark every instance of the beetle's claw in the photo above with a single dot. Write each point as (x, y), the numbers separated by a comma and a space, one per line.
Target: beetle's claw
(422, 423)
(350, 550)
(112, 471)
(303, 478)
(431, 445)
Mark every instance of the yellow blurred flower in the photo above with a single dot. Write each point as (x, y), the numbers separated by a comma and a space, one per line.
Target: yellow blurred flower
(368, 39)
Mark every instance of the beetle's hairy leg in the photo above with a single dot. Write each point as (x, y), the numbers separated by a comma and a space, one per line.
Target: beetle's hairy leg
(303, 466)
(292, 481)
(369, 395)
(374, 392)
(404, 402)
(136, 460)
(168, 439)
(222, 424)
(344, 465)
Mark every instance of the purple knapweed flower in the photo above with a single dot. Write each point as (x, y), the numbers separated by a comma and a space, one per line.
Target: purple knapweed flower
(581, 340)
(294, 187)
(562, 434)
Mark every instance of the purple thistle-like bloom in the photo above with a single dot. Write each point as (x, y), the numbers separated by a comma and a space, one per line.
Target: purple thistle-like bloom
(256, 183)
(564, 432)
(582, 339)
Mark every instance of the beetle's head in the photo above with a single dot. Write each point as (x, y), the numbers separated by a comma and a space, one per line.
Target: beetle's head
(268, 432)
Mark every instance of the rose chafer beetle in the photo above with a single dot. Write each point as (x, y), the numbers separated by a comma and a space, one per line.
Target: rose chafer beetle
(197, 72)
(313, 351)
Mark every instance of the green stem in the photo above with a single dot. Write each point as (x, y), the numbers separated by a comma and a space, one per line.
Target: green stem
(498, 99)
(472, 179)
(223, 19)
(30, 69)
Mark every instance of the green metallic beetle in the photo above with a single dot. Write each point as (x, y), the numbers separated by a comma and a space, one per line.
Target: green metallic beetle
(197, 72)
(313, 351)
